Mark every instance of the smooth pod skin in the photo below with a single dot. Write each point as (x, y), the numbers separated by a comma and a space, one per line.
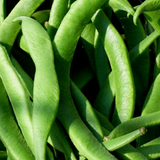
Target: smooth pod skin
(18, 95)
(86, 111)
(2, 11)
(120, 64)
(58, 139)
(10, 133)
(64, 45)
(58, 11)
(119, 142)
(101, 61)
(46, 88)
(152, 119)
(106, 96)
(151, 149)
(148, 5)
(9, 30)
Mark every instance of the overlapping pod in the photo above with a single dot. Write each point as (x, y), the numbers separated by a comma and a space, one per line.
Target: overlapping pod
(46, 89)
(148, 5)
(10, 133)
(120, 64)
(64, 45)
(9, 30)
(18, 95)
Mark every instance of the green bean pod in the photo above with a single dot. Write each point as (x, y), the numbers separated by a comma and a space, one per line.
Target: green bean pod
(58, 11)
(86, 111)
(58, 139)
(26, 78)
(122, 5)
(143, 45)
(106, 96)
(152, 99)
(148, 5)
(101, 60)
(87, 39)
(2, 11)
(46, 95)
(3, 155)
(128, 152)
(41, 16)
(10, 133)
(114, 144)
(120, 64)
(15, 89)
(64, 45)
(151, 149)
(149, 120)
(9, 30)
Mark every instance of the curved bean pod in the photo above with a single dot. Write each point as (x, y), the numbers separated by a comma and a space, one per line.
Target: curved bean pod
(75, 20)
(46, 95)
(15, 89)
(10, 133)
(121, 141)
(120, 64)
(9, 30)
(122, 5)
(148, 5)
(141, 65)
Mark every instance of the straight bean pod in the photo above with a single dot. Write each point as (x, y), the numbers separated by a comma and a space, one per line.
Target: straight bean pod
(120, 64)
(121, 141)
(46, 95)
(146, 121)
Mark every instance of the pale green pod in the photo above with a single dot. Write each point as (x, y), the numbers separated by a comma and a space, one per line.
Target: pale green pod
(46, 88)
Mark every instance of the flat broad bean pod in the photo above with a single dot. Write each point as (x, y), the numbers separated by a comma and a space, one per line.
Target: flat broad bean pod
(18, 95)
(46, 95)
(120, 64)
(9, 30)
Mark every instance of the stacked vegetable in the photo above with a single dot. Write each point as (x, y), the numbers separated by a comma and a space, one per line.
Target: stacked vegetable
(80, 80)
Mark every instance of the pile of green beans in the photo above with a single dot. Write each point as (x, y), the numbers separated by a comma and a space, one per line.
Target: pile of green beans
(80, 80)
